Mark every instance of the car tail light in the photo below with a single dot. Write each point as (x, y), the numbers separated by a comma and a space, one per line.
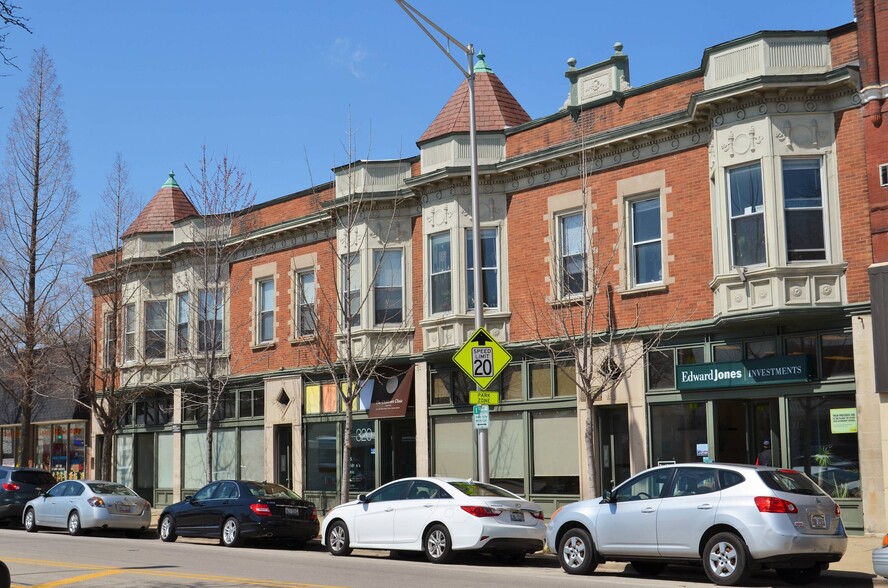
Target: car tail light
(838, 510)
(537, 514)
(774, 504)
(96, 502)
(261, 509)
(885, 541)
(480, 511)
(313, 516)
(10, 487)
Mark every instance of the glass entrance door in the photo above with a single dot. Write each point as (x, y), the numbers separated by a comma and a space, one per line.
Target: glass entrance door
(741, 429)
(283, 461)
(613, 459)
(398, 447)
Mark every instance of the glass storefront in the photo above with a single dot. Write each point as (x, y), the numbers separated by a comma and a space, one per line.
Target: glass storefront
(362, 459)
(320, 457)
(678, 432)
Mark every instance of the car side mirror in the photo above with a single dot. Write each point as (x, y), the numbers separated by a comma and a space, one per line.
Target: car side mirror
(189, 498)
(608, 496)
(362, 498)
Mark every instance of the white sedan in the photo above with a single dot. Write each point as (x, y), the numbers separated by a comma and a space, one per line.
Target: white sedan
(77, 505)
(437, 516)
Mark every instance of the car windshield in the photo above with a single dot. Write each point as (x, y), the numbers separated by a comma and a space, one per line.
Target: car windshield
(267, 490)
(481, 489)
(110, 488)
(790, 481)
(32, 477)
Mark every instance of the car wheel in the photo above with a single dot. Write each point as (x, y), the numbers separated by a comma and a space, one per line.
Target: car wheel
(167, 529)
(133, 534)
(337, 539)
(799, 576)
(437, 545)
(74, 528)
(576, 553)
(648, 568)
(724, 559)
(231, 536)
(30, 521)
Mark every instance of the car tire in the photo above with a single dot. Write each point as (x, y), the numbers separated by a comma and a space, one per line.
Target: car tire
(437, 546)
(337, 539)
(725, 559)
(30, 521)
(799, 576)
(74, 527)
(231, 536)
(648, 569)
(167, 529)
(576, 552)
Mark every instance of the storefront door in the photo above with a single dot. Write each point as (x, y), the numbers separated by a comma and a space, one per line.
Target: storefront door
(614, 443)
(741, 429)
(143, 480)
(283, 449)
(398, 447)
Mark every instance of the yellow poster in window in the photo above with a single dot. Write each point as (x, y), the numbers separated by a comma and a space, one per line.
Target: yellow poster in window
(842, 420)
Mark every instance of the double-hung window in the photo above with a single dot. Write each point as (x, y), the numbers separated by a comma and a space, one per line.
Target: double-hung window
(211, 315)
(388, 287)
(351, 289)
(182, 306)
(265, 310)
(129, 332)
(305, 306)
(489, 269)
(747, 215)
(572, 254)
(155, 329)
(646, 249)
(803, 210)
(110, 348)
(440, 284)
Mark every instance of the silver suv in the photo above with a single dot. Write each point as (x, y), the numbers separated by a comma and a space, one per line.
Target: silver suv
(732, 518)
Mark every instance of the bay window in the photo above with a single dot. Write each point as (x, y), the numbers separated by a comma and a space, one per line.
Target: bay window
(155, 329)
(388, 288)
(747, 212)
(351, 289)
(440, 283)
(489, 269)
(803, 210)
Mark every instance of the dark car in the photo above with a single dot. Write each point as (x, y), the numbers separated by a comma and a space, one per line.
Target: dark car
(234, 510)
(18, 486)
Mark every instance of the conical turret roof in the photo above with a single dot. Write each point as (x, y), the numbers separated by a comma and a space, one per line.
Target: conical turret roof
(495, 107)
(169, 205)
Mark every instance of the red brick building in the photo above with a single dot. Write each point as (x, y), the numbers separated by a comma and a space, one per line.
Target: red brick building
(726, 222)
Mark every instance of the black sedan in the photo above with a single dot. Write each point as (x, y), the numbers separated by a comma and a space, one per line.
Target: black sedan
(235, 510)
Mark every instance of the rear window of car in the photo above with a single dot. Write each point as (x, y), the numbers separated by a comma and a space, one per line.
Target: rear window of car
(36, 478)
(108, 488)
(271, 490)
(790, 481)
(481, 489)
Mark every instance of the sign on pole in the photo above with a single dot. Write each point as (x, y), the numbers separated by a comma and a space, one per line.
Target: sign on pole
(481, 416)
(482, 358)
(483, 397)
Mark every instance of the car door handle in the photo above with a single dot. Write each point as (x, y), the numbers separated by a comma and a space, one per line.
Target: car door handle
(704, 506)
(389, 509)
(648, 510)
(428, 505)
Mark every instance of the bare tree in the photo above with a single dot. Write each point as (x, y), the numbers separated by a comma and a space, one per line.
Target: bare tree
(11, 16)
(576, 321)
(38, 201)
(223, 196)
(366, 228)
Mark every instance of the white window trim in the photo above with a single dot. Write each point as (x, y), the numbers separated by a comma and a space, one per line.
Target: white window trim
(731, 217)
(499, 286)
(824, 212)
(559, 254)
(431, 274)
(166, 329)
(376, 285)
(130, 310)
(631, 244)
(300, 305)
(259, 311)
(883, 175)
(180, 297)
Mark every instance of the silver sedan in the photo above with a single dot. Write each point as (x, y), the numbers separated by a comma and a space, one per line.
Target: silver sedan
(77, 505)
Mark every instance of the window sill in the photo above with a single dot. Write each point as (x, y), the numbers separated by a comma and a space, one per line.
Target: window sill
(302, 339)
(658, 288)
(262, 346)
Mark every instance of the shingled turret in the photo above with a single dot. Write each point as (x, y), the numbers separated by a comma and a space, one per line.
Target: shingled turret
(169, 205)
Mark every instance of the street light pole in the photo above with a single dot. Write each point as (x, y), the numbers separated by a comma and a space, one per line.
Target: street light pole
(469, 73)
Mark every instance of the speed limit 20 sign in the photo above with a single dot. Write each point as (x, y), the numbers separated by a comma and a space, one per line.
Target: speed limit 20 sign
(482, 358)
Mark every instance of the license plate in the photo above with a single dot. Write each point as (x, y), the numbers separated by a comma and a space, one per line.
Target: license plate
(291, 512)
(517, 516)
(818, 521)
(124, 508)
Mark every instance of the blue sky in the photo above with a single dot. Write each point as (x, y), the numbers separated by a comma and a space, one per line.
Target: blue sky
(278, 84)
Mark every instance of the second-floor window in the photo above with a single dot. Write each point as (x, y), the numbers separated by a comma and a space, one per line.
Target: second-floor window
(305, 306)
(110, 340)
(747, 210)
(211, 315)
(155, 329)
(129, 332)
(182, 322)
(803, 207)
(351, 289)
(646, 254)
(388, 287)
(440, 284)
(489, 269)
(572, 254)
(265, 310)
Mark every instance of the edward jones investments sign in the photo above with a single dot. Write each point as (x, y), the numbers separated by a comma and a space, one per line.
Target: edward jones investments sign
(733, 374)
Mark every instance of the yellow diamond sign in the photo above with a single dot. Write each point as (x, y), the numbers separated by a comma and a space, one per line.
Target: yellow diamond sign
(482, 358)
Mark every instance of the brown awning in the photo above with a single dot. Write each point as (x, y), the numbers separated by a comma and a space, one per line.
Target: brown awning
(386, 406)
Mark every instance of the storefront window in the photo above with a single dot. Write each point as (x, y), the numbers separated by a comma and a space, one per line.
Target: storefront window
(761, 349)
(823, 442)
(565, 378)
(225, 454)
(540, 380)
(678, 432)
(362, 460)
(165, 461)
(838, 355)
(510, 382)
(803, 345)
(320, 466)
(556, 461)
(506, 443)
(43, 455)
(9, 437)
(661, 369)
(195, 459)
(124, 462)
(252, 453)
(450, 386)
(727, 352)
(690, 356)
(453, 447)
